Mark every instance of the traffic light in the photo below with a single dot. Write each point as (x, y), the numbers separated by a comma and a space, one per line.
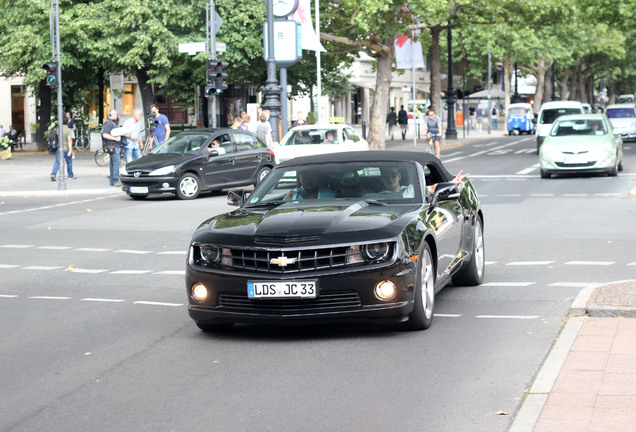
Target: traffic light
(51, 74)
(210, 77)
(219, 77)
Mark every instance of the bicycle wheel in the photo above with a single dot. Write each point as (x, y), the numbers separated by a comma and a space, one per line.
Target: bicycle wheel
(101, 158)
(82, 143)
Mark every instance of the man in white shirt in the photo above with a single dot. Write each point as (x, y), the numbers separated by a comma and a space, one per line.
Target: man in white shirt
(132, 137)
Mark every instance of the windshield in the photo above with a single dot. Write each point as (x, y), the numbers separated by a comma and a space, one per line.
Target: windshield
(312, 136)
(548, 116)
(579, 127)
(626, 99)
(620, 113)
(384, 182)
(517, 111)
(183, 143)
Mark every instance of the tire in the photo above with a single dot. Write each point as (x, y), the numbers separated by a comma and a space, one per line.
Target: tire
(421, 317)
(509, 133)
(138, 197)
(472, 272)
(620, 165)
(210, 327)
(188, 187)
(262, 173)
(614, 171)
(102, 159)
(544, 174)
(82, 143)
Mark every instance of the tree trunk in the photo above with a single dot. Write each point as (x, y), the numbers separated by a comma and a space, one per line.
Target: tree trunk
(547, 84)
(540, 70)
(147, 94)
(563, 87)
(380, 100)
(436, 64)
(45, 113)
(590, 90)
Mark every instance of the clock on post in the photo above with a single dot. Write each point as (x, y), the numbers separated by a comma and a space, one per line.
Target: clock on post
(284, 8)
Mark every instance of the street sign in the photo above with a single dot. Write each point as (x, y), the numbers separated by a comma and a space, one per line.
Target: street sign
(218, 22)
(196, 47)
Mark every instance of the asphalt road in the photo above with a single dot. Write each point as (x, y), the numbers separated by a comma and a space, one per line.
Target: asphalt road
(95, 333)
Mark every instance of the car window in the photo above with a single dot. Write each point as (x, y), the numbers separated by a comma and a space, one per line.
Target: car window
(579, 127)
(183, 143)
(548, 116)
(620, 113)
(246, 142)
(394, 182)
(312, 137)
(351, 134)
(225, 144)
(517, 111)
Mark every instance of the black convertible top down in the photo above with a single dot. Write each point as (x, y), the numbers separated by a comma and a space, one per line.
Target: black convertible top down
(372, 156)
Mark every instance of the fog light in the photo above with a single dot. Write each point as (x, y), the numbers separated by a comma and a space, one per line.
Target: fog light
(385, 290)
(199, 292)
(165, 185)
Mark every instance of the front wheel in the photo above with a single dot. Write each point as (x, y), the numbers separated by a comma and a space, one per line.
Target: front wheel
(188, 187)
(472, 272)
(424, 295)
(102, 158)
(82, 143)
(544, 174)
(614, 171)
(262, 173)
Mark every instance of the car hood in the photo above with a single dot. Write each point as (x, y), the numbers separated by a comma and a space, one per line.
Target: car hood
(622, 122)
(543, 129)
(153, 161)
(290, 224)
(576, 143)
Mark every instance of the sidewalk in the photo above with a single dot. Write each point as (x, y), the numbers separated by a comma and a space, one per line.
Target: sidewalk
(28, 171)
(588, 381)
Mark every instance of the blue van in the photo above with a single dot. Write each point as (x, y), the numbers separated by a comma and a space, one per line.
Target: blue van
(520, 118)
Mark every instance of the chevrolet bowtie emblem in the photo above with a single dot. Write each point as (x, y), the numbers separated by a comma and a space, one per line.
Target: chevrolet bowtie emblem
(282, 261)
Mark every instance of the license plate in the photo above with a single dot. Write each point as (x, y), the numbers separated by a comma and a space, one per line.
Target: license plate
(138, 189)
(287, 289)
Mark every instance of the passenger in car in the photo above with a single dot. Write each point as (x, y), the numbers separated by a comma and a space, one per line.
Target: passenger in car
(216, 145)
(392, 177)
(310, 188)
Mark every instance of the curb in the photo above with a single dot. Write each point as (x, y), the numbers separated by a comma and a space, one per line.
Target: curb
(538, 393)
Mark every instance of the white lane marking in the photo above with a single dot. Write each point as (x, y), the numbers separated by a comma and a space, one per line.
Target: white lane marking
(15, 246)
(572, 284)
(529, 263)
(490, 262)
(486, 144)
(47, 207)
(575, 195)
(447, 315)
(158, 303)
(542, 195)
(172, 253)
(171, 272)
(130, 271)
(496, 176)
(129, 251)
(453, 154)
(509, 195)
(523, 317)
(590, 263)
(8, 266)
(87, 249)
(529, 169)
(8, 295)
(494, 149)
(54, 247)
(632, 264)
(102, 300)
(508, 284)
(50, 298)
(610, 194)
(41, 268)
(90, 271)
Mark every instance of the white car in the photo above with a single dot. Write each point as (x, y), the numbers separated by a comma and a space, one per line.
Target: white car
(623, 118)
(549, 112)
(310, 140)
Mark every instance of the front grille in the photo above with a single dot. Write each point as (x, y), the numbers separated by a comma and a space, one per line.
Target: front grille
(305, 260)
(326, 302)
(575, 165)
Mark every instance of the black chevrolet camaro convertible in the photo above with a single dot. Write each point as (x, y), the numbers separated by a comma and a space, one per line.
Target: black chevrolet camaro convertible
(360, 236)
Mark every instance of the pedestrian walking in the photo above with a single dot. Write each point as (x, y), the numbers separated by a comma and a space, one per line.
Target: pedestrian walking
(403, 120)
(67, 149)
(495, 113)
(391, 119)
(131, 140)
(479, 114)
(162, 125)
(111, 145)
(71, 125)
(264, 128)
(472, 116)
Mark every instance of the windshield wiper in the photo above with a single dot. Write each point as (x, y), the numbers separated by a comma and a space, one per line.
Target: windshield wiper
(375, 202)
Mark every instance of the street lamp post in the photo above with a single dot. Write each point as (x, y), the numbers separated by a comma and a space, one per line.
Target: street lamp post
(451, 132)
(272, 90)
(554, 96)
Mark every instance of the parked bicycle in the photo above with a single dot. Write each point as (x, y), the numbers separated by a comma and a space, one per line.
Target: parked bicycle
(103, 159)
(83, 138)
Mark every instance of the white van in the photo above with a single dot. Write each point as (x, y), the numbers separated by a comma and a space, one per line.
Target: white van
(549, 112)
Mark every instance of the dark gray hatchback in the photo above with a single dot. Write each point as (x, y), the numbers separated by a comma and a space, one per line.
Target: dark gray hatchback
(190, 162)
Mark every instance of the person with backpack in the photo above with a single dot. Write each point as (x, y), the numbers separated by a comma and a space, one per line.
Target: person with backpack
(112, 146)
(67, 148)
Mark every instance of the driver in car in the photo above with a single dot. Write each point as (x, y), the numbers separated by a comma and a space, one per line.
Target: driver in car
(309, 188)
(216, 145)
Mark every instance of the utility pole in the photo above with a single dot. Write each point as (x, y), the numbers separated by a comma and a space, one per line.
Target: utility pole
(451, 132)
(489, 96)
(211, 40)
(54, 20)
(272, 89)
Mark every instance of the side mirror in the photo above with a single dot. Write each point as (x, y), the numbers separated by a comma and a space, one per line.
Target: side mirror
(236, 197)
(213, 153)
(445, 191)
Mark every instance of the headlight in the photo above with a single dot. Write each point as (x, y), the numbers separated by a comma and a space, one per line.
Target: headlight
(210, 254)
(375, 251)
(163, 171)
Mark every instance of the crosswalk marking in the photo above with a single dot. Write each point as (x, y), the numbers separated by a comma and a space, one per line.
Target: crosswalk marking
(508, 284)
(151, 303)
(14, 246)
(50, 298)
(93, 249)
(590, 263)
(129, 251)
(41, 268)
(103, 300)
(529, 263)
(131, 272)
(90, 271)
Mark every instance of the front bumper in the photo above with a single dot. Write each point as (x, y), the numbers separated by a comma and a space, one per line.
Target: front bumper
(342, 296)
(591, 166)
(154, 184)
